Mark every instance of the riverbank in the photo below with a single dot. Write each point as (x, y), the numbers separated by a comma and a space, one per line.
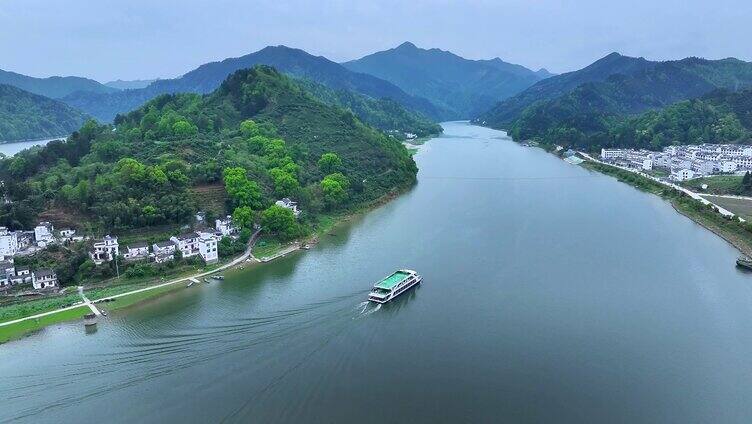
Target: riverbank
(737, 233)
(14, 327)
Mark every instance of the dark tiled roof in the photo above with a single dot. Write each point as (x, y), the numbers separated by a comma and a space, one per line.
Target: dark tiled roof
(164, 244)
(138, 245)
(40, 273)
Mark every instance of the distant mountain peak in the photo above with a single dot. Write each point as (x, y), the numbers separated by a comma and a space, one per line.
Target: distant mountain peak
(406, 45)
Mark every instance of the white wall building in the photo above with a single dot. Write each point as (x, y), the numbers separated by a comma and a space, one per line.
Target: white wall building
(44, 279)
(186, 244)
(728, 167)
(105, 250)
(207, 246)
(43, 234)
(289, 204)
(8, 242)
(225, 226)
(682, 175)
(136, 251)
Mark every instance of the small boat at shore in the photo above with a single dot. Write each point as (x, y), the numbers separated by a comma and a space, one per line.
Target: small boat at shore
(394, 285)
(218, 277)
(744, 262)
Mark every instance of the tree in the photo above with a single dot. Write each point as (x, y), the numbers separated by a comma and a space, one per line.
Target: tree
(330, 163)
(285, 184)
(243, 217)
(243, 191)
(334, 186)
(281, 221)
(184, 129)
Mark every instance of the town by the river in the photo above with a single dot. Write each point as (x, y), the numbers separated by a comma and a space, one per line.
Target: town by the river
(550, 294)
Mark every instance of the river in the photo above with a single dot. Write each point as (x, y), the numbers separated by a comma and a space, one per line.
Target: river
(550, 294)
(11, 148)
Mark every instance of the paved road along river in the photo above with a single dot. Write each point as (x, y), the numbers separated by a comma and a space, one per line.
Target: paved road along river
(550, 294)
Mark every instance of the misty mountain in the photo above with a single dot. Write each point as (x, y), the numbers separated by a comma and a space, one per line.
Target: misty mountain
(129, 85)
(294, 62)
(26, 116)
(53, 87)
(466, 87)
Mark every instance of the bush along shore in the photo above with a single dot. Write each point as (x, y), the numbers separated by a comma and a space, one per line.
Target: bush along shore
(738, 234)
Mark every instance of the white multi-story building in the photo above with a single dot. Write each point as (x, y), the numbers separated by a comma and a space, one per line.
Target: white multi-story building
(682, 175)
(207, 246)
(43, 234)
(728, 167)
(8, 242)
(105, 250)
(44, 279)
(186, 244)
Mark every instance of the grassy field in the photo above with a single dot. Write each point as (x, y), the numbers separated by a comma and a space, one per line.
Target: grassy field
(267, 247)
(720, 184)
(32, 307)
(14, 331)
(741, 207)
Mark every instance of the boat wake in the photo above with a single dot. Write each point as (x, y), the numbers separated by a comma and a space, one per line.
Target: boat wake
(366, 308)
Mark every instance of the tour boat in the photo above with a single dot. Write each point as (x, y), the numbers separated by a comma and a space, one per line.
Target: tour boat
(744, 262)
(394, 285)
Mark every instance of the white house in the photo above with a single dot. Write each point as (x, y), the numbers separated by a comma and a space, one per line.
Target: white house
(728, 167)
(186, 244)
(23, 276)
(289, 204)
(8, 242)
(68, 235)
(225, 226)
(105, 250)
(43, 234)
(163, 251)
(682, 175)
(44, 279)
(207, 247)
(136, 251)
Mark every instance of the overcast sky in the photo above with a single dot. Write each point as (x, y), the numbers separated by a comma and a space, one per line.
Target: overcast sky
(130, 39)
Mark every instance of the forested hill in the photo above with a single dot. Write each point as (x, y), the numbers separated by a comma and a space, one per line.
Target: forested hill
(25, 116)
(466, 87)
(503, 113)
(589, 111)
(257, 138)
(53, 87)
(719, 117)
(290, 61)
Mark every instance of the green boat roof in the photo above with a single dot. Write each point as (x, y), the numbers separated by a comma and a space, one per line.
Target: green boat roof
(389, 282)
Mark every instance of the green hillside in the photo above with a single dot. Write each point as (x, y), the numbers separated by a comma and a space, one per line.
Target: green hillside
(259, 135)
(586, 114)
(26, 116)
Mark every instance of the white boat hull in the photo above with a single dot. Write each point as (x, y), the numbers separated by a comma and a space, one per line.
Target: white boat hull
(395, 293)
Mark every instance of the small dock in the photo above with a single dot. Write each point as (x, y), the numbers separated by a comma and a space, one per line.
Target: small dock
(192, 280)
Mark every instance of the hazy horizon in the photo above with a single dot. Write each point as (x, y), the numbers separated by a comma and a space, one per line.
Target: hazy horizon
(110, 40)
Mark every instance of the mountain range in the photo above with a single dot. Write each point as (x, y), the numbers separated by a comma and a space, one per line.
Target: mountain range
(25, 116)
(465, 87)
(53, 87)
(294, 62)
(580, 107)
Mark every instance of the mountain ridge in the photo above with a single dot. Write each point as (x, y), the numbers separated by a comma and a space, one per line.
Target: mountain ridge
(462, 85)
